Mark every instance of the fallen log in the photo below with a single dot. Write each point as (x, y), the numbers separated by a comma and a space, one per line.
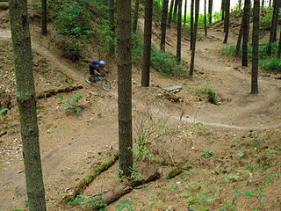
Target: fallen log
(53, 92)
(85, 182)
(124, 189)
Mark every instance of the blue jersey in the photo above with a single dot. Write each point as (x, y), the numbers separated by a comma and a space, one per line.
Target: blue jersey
(95, 65)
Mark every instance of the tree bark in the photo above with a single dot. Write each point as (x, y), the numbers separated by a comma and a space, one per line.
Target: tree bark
(124, 63)
(175, 10)
(240, 4)
(191, 22)
(274, 25)
(164, 24)
(246, 23)
(226, 20)
(112, 24)
(279, 47)
(171, 13)
(205, 18)
(185, 13)
(197, 5)
(179, 30)
(239, 40)
(210, 11)
(255, 57)
(145, 79)
(26, 100)
(44, 18)
(136, 16)
(222, 9)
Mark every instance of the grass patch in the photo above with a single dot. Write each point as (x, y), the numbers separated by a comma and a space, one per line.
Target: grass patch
(208, 91)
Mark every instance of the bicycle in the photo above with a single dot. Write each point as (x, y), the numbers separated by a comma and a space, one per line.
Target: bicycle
(105, 84)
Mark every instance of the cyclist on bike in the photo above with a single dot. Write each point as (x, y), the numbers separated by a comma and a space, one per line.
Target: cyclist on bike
(97, 69)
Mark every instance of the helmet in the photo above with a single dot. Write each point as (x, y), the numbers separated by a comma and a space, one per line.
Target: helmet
(102, 63)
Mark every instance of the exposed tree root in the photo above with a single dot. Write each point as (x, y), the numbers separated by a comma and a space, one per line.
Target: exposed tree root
(124, 189)
(177, 171)
(53, 92)
(85, 182)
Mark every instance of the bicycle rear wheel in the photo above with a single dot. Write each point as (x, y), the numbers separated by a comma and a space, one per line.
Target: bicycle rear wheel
(106, 85)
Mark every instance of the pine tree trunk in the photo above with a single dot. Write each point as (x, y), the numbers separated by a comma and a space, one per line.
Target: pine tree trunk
(240, 4)
(238, 45)
(191, 22)
(136, 16)
(210, 11)
(222, 9)
(197, 5)
(26, 100)
(270, 3)
(124, 63)
(175, 10)
(205, 18)
(112, 25)
(179, 30)
(147, 43)
(255, 56)
(226, 20)
(185, 13)
(44, 17)
(274, 25)
(246, 23)
(171, 13)
(279, 46)
(164, 24)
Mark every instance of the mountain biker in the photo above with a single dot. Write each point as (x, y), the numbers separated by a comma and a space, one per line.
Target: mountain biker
(96, 68)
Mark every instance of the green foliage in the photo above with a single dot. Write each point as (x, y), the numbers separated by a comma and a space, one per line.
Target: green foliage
(208, 153)
(125, 205)
(3, 111)
(232, 178)
(266, 18)
(228, 207)
(73, 104)
(272, 64)
(161, 61)
(210, 92)
(73, 50)
(77, 201)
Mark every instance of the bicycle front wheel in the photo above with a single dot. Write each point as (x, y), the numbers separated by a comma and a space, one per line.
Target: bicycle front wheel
(106, 85)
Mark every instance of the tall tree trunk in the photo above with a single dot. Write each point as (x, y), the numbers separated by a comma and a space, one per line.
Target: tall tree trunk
(191, 22)
(210, 11)
(185, 12)
(262, 4)
(226, 20)
(44, 18)
(164, 24)
(240, 4)
(246, 23)
(274, 25)
(175, 10)
(197, 5)
(205, 18)
(26, 100)
(136, 16)
(239, 40)
(112, 25)
(171, 13)
(270, 3)
(279, 46)
(222, 9)
(255, 56)
(147, 43)
(124, 63)
(179, 30)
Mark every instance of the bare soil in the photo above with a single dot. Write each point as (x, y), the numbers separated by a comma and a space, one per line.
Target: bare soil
(233, 148)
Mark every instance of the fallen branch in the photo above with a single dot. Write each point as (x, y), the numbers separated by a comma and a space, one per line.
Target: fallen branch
(53, 92)
(85, 182)
(124, 189)
(177, 171)
(3, 133)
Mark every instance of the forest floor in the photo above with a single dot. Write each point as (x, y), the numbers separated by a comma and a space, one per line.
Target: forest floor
(233, 148)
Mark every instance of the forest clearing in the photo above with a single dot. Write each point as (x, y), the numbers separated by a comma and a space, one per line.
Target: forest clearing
(140, 105)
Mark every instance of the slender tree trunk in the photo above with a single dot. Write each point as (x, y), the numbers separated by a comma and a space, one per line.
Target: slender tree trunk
(210, 11)
(44, 17)
(222, 9)
(124, 63)
(226, 20)
(26, 100)
(185, 13)
(279, 47)
(270, 3)
(255, 56)
(171, 13)
(262, 4)
(191, 22)
(164, 24)
(136, 16)
(197, 5)
(147, 43)
(179, 30)
(246, 23)
(205, 18)
(238, 45)
(240, 4)
(112, 25)
(175, 10)
(274, 25)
